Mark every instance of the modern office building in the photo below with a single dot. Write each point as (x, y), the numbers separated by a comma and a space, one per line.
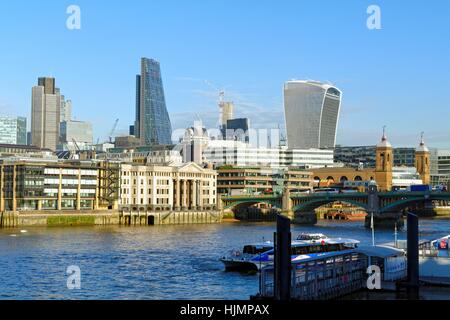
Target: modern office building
(126, 142)
(356, 156)
(45, 114)
(75, 134)
(236, 153)
(237, 130)
(41, 184)
(440, 166)
(311, 113)
(152, 124)
(162, 155)
(66, 109)
(12, 150)
(13, 130)
(239, 181)
(183, 187)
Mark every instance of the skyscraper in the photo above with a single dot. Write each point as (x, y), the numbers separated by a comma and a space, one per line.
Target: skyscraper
(152, 124)
(66, 109)
(13, 130)
(311, 113)
(75, 133)
(45, 114)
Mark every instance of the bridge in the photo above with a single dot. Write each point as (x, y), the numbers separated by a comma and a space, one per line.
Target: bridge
(385, 206)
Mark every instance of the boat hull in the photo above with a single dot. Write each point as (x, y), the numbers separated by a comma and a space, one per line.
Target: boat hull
(236, 265)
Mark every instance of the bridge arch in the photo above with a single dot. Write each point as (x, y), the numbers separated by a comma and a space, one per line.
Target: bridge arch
(402, 204)
(314, 204)
(251, 202)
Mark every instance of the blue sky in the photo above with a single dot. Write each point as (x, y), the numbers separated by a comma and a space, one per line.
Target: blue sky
(398, 76)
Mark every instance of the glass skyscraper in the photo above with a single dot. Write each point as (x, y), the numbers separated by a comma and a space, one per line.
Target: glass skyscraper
(152, 124)
(312, 114)
(13, 130)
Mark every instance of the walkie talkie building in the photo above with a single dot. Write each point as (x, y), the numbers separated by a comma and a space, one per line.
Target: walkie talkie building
(312, 114)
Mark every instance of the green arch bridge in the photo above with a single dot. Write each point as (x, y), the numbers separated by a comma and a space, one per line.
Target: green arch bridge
(385, 206)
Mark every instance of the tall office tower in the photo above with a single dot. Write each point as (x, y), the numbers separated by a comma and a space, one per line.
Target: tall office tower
(45, 114)
(75, 134)
(136, 130)
(152, 118)
(311, 113)
(238, 130)
(13, 130)
(66, 109)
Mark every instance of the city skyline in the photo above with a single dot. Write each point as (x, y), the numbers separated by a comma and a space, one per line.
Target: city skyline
(376, 79)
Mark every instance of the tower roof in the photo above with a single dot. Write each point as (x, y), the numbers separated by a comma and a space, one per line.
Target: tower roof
(422, 147)
(384, 143)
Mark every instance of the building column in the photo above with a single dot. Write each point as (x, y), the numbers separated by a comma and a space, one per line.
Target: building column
(2, 194)
(200, 194)
(177, 194)
(78, 204)
(14, 202)
(194, 195)
(59, 191)
(184, 194)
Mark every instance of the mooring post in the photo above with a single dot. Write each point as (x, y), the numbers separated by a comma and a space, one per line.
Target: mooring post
(413, 256)
(282, 261)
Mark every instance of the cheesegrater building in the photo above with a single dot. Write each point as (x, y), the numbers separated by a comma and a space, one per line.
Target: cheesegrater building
(152, 124)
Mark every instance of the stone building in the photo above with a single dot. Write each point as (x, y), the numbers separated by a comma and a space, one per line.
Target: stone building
(182, 187)
(382, 174)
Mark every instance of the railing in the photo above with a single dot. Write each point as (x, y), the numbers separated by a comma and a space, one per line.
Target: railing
(321, 279)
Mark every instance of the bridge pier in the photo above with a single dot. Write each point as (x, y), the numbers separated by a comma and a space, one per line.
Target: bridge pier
(385, 220)
(305, 218)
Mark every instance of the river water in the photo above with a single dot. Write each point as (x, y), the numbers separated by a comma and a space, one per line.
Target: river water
(161, 262)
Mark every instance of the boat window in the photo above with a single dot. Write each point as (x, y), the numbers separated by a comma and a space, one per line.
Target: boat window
(299, 250)
(255, 250)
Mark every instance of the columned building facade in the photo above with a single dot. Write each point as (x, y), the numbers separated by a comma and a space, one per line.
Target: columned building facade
(184, 187)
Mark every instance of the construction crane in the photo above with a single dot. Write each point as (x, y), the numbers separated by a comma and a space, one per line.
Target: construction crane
(113, 130)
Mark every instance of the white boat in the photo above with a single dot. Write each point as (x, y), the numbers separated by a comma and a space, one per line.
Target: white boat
(254, 257)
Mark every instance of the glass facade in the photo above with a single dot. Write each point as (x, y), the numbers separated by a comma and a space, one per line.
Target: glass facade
(39, 186)
(80, 131)
(154, 122)
(13, 130)
(311, 113)
(353, 156)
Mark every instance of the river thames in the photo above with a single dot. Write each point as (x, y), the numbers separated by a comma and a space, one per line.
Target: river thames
(161, 262)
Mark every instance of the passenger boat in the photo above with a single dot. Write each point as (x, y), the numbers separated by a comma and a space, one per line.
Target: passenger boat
(254, 257)
(434, 261)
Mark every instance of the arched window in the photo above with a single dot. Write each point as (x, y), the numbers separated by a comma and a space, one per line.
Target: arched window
(317, 178)
(330, 178)
(358, 178)
(343, 179)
